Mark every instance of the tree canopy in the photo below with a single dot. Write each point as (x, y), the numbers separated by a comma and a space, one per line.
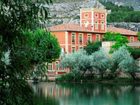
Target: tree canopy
(117, 38)
(22, 46)
(91, 47)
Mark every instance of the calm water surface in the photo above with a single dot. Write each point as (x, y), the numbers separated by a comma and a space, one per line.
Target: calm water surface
(89, 94)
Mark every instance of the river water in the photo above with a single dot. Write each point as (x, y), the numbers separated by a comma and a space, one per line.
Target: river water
(89, 94)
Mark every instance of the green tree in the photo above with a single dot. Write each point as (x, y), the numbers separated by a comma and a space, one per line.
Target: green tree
(19, 50)
(118, 38)
(124, 61)
(138, 36)
(100, 61)
(135, 52)
(77, 62)
(91, 47)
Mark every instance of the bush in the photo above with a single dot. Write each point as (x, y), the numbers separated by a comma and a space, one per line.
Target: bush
(66, 77)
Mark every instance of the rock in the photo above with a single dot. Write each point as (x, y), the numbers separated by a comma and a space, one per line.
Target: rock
(130, 26)
(69, 12)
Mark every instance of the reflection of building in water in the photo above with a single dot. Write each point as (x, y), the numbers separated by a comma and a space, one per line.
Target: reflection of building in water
(53, 90)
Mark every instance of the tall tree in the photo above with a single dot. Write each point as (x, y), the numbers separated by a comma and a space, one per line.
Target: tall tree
(124, 61)
(21, 47)
(91, 47)
(101, 61)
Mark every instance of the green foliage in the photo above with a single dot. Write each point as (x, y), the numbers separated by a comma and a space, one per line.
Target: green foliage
(42, 46)
(22, 47)
(78, 61)
(121, 13)
(91, 47)
(114, 8)
(66, 77)
(110, 36)
(41, 100)
(120, 54)
(118, 38)
(100, 61)
(17, 15)
(135, 52)
(139, 36)
(124, 61)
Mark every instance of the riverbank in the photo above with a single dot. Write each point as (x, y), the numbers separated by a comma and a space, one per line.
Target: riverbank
(120, 81)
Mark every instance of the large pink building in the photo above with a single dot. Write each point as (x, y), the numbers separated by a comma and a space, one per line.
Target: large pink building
(92, 27)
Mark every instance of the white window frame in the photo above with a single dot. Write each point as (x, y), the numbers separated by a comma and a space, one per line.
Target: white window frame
(99, 37)
(80, 34)
(72, 49)
(51, 65)
(57, 65)
(102, 25)
(90, 37)
(72, 38)
(96, 25)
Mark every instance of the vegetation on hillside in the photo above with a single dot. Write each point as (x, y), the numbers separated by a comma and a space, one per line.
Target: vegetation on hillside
(121, 13)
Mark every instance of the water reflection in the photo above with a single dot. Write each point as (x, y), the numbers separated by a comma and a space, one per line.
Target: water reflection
(90, 94)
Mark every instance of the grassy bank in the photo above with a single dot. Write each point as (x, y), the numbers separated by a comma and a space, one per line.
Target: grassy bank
(90, 79)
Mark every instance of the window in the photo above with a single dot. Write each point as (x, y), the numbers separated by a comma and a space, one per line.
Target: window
(102, 15)
(73, 49)
(86, 23)
(102, 25)
(131, 39)
(96, 15)
(57, 65)
(98, 37)
(86, 15)
(89, 38)
(96, 25)
(50, 66)
(73, 38)
(80, 38)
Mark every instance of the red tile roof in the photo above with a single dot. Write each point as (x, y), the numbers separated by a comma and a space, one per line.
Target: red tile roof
(71, 27)
(121, 31)
(77, 27)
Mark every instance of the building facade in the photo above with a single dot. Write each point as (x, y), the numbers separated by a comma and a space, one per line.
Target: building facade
(72, 37)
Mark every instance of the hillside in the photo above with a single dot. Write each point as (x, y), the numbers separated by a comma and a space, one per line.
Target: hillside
(134, 3)
(68, 11)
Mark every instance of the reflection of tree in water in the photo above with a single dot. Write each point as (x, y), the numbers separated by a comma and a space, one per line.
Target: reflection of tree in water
(100, 93)
(90, 94)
